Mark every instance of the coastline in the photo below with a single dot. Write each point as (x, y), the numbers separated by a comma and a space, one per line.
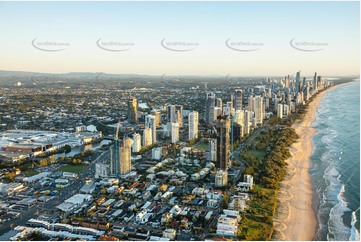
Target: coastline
(296, 218)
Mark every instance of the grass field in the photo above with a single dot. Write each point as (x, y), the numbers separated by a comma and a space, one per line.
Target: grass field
(73, 168)
(256, 153)
(31, 172)
(200, 146)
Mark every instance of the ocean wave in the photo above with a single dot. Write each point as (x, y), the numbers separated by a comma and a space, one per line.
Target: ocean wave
(329, 138)
(355, 234)
(337, 230)
(335, 159)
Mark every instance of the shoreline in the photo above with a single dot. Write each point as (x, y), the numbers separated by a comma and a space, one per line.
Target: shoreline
(296, 216)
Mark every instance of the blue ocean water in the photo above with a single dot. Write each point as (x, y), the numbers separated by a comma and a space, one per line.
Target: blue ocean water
(335, 170)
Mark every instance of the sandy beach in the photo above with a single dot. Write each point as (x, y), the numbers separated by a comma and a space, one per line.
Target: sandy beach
(295, 218)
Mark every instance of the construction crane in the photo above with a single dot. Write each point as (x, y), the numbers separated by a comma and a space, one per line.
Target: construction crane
(130, 92)
(215, 130)
(118, 127)
(116, 151)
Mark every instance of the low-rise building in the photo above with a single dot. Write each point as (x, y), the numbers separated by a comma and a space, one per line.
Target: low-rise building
(169, 233)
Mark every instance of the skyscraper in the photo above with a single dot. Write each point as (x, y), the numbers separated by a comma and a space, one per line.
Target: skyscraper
(212, 147)
(137, 139)
(150, 121)
(221, 178)
(132, 110)
(238, 99)
(298, 80)
(228, 110)
(223, 126)
(217, 112)
(287, 81)
(125, 156)
(258, 109)
(280, 110)
(315, 82)
(219, 102)
(175, 132)
(193, 125)
(319, 82)
(247, 119)
(209, 108)
(179, 115)
(251, 103)
(171, 114)
(147, 136)
(120, 157)
(156, 114)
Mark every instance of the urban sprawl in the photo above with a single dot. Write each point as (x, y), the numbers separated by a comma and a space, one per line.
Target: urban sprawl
(175, 159)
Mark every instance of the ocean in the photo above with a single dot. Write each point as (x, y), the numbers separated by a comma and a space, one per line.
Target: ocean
(335, 171)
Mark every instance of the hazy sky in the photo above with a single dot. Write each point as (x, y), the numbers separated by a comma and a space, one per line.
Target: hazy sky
(141, 26)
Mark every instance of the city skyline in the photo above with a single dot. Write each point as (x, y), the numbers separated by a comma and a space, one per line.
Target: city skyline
(122, 37)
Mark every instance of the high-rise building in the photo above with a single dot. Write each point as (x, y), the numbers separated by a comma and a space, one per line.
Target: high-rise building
(298, 80)
(304, 83)
(219, 102)
(132, 110)
(212, 147)
(228, 110)
(319, 82)
(238, 99)
(217, 112)
(147, 136)
(247, 119)
(209, 108)
(156, 114)
(258, 109)
(315, 82)
(221, 178)
(137, 139)
(157, 153)
(280, 110)
(179, 115)
(286, 109)
(193, 125)
(239, 119)
(223, 126)
(251, 103)
(175, 132)
(120, 157)
(150, 121)
(287, 81)
(171, 114)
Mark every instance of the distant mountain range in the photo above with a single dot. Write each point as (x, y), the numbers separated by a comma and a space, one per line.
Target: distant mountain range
(24, 76)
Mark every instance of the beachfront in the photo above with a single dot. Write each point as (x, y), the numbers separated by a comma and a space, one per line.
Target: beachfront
(295, 218)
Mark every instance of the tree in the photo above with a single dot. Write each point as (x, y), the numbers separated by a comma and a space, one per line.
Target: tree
(43, 162)
(10, 176)
(52, 159)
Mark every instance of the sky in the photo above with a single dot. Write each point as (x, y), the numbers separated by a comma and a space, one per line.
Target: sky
(181, 38)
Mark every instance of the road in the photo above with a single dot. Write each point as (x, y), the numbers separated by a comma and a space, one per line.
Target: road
(236, 154)
(50, 205)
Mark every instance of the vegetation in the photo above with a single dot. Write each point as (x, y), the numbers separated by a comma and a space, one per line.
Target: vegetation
(200, 146)
(265, 159)
(146, 148)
